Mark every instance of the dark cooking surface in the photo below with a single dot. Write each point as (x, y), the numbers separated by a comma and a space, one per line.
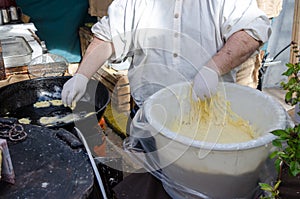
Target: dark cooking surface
(17, 99)
(47, 167)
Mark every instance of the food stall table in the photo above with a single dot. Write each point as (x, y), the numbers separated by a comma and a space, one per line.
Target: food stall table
(26, 32)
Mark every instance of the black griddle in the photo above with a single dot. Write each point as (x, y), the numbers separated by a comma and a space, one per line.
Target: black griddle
(46, 166)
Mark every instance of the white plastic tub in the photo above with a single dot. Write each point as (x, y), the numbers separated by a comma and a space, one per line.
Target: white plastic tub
(211, 169)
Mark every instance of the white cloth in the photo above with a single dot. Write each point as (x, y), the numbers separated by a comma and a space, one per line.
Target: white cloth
(170, 40)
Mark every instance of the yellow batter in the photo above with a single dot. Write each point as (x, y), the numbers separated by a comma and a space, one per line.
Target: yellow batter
(56, 102)
(53, 120)
(44, 104)
(213, 120)
(48, 120)
(41, 104)
(24, 121)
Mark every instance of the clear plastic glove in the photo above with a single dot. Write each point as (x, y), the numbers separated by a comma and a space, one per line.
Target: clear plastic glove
(74, 89)
(205, 83)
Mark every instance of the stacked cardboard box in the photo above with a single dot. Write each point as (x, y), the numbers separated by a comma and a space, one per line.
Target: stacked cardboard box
(98, 7)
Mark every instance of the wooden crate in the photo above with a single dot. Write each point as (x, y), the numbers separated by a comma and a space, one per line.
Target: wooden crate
(118, 84)
(85, 37)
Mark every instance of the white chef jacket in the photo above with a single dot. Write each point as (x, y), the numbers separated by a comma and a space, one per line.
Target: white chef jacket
(170, 40)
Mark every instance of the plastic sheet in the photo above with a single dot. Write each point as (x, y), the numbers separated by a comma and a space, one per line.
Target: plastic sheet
(197, 169)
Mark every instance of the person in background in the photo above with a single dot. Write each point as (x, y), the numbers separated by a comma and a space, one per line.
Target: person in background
(171, 41)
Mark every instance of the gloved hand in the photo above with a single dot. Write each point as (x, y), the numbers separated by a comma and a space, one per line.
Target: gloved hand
(205, 83)
(74, 89)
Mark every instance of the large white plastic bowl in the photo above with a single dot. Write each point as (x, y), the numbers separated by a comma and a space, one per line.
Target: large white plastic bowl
(215, 170)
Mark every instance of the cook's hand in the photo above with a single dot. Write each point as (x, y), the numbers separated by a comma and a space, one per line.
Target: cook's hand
(205, 83)
(74, 89)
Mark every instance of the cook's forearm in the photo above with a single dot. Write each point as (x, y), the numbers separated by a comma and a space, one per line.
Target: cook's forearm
(238, 48)
(95, 56)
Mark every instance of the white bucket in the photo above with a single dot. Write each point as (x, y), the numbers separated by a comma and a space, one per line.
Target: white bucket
(212, 169)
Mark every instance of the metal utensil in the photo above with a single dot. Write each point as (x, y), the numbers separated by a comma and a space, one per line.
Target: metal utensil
(81, 137)
(1, 19)
(5, 16)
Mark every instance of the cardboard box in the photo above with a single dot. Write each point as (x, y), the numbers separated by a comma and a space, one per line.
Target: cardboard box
(272, 8)
(85, 37)
(98, 8)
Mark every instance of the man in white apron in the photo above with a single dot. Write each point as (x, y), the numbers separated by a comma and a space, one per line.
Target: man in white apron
(171, 41)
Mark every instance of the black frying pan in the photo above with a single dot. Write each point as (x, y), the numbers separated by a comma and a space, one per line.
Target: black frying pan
(17, 99)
